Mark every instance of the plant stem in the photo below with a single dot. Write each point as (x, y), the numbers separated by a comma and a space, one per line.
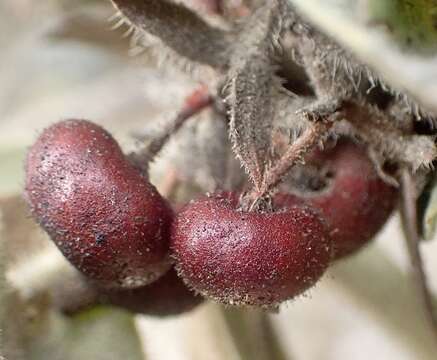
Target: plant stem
(194, 103)
(412, 238)
(295, 153)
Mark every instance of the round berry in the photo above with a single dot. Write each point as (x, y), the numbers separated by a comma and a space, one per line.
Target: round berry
(101, 212)
(168, 296)
(356, 202)
(252, 258)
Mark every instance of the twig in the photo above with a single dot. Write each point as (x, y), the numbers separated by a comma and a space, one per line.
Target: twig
(409, 220)
(169, 184)
(295, 153)
(193, 104)
(235, 9)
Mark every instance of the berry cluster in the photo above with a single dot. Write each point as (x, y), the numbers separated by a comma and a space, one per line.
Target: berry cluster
(123, 236)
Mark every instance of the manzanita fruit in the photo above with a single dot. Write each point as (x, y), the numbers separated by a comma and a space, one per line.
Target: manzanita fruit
(249, 258)
(355, 202)
(167, 296)
(101, 212)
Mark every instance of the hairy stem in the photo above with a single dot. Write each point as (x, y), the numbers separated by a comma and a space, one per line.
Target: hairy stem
(179, 28)
(194, 103)
(295, 153)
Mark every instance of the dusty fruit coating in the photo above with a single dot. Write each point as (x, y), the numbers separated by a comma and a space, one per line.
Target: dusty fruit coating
(248, 258)
(103, 215)
(357, 202)
(167, 296)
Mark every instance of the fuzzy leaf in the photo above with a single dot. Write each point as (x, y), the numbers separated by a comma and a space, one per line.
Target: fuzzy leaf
(251, 115)
(179, 28)
(355, 25)
(250, 91)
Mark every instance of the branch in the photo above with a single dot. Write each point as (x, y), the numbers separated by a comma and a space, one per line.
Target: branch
(295, 154)
(194, 103)
(409, 221)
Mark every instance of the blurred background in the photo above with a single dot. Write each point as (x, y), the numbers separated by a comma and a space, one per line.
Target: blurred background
(60, 59)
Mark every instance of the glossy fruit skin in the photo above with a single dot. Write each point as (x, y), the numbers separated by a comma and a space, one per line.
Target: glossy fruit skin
(248, 258)
(104, 216)
(357, 202)
(167, 296)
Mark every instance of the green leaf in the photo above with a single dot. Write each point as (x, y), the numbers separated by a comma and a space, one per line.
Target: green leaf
(412, 23)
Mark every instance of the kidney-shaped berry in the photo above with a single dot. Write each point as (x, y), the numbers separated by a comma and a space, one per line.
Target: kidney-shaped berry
(251, 258)
(356, 203)
(167, 296)
(104, 216)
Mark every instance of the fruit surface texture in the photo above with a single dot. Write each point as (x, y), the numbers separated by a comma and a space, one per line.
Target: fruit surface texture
(356, 202)
(249, 258)
(101, 212)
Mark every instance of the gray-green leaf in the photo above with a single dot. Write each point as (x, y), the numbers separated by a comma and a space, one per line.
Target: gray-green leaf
(356, 25)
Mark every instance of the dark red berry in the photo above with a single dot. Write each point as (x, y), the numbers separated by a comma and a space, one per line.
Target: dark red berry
(356, 202)
(105, 217)
(252, 258)
(168, 296)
